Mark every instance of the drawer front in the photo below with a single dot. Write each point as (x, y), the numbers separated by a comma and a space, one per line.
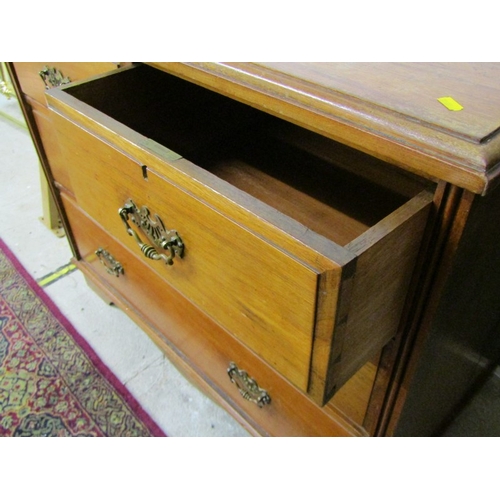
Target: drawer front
(264, 296)
(36, 77)
(192, 335)
(309, 275)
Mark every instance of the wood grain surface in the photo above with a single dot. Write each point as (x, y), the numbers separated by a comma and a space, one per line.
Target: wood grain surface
(203, 350)
(239, 212)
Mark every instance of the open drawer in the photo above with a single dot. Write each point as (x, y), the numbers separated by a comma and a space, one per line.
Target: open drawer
(264, 226)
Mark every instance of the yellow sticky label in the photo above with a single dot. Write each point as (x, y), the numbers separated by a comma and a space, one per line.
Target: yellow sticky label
(450, 103)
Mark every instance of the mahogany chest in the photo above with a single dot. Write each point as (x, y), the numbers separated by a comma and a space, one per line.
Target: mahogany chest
(290, 234)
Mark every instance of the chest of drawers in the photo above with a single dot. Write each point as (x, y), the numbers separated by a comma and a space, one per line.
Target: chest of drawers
(274, 245)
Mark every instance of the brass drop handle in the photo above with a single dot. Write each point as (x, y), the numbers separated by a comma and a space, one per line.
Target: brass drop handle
(167, 240)
(52, 77)
(247, 386)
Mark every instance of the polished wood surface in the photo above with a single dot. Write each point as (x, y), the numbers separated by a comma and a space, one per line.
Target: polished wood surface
(384, 270)
(389, 110)
(275, 299)
(262, 295)
(471, 84)
(368, 332)
(182, 330)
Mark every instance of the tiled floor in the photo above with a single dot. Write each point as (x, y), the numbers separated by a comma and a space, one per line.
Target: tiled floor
(178, 407)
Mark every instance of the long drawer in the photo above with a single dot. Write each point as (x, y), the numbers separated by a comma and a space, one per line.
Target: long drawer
(36, 77)
(304, 262)
(190, 334)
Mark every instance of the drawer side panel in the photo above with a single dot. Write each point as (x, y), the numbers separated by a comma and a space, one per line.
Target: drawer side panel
(383, 273)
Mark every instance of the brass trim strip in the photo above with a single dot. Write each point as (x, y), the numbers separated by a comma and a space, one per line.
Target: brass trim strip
(56, 275)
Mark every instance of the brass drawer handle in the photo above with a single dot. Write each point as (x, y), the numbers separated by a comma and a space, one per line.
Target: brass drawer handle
(109, 262)
(164, 239)
(247, 386)
(52, 77)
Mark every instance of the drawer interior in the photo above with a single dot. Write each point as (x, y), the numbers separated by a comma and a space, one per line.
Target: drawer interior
(272, 160)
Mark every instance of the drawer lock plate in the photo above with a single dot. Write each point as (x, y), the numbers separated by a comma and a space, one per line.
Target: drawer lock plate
(165, 240)
(247, 386)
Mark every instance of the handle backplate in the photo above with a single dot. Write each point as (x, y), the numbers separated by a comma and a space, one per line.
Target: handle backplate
(247, 386)
(52, 77)
(111, 265)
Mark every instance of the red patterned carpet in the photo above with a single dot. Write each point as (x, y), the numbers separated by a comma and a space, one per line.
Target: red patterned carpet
(51, 381)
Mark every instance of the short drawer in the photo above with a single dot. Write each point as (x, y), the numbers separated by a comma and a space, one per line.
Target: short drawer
(299, 258)
(36, 77)
(188, 333)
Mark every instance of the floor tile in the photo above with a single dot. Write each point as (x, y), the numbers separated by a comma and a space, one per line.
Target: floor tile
(185, 411)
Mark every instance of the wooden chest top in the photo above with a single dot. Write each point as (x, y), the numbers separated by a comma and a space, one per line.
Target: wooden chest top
(389, 110)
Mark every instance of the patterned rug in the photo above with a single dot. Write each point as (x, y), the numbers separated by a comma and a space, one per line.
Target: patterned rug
(51, 381)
